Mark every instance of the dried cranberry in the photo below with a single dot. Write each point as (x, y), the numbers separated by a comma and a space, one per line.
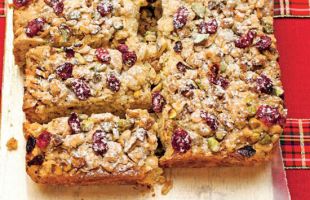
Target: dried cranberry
(181, 141)
(264, 43)
(34, 27)
(57, 5)
(123, 48)
(20, 3)
(180, 17)
(178, 46)
(74, 123)
(81, 89)
(69, 52)
(129, 58)
(113, 83)
(104, 8)
(214, 69)
(270, 115)
(37, 160)
(64, 71)
(210, 120)
(158, 102)
(219, 80)
(43, 139)
(245, 40)
(181, 67)
(100, 145)
(208, 27)
(264, 84)
(31, 143)
(188, 90)
(247, 151)
(103, 55)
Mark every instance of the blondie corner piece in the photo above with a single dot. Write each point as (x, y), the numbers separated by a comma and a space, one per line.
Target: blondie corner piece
(221, 97)
(85, 80)
(64, 23)
(101, 148)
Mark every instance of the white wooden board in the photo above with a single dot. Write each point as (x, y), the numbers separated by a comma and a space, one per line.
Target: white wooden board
(206, 183)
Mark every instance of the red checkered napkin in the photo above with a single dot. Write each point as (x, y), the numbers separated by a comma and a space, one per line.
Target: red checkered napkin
(295, 144)
(292, 8)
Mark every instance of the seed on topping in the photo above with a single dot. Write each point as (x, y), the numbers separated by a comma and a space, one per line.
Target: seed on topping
(31, 143)
(43, 139)
(34, 27)
(210, 120)
(81, 89)
(264, 84)
(129, 58)
(113, 83)
(181, 67)
(37, 160)
(57, 5)
(100, 145)
(158, 102)
(123, 48)
(20, 3)
(270, 115)
(74, 123)
(264, 43)
(104, 8)
(208, 27)
(64, 71)
(69, 52)
(245, 40)
(103, 55)
(188, 90)
(247, 151)
(180, 18)
(181, 141)
(178, 46)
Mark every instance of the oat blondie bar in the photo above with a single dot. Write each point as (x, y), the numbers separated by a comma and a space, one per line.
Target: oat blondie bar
(59, 81)
(220, 99)
(101, 148)
(66, 22)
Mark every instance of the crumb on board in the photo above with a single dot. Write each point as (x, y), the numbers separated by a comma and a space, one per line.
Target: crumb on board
(166, 187)
(11, 144)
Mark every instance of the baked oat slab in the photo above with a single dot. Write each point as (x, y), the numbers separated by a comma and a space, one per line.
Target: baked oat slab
(101, 148)
(220, 99)
(66, 22)
(59, 81)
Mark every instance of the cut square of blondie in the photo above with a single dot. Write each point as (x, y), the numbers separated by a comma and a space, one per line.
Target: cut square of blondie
(101, 148)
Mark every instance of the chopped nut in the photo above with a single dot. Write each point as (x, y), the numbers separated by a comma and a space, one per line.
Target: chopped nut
(213, 144)
(12, 144)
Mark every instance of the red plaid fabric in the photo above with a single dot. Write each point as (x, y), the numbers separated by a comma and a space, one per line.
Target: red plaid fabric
(292, 8)
(2, 8)
(295, 144)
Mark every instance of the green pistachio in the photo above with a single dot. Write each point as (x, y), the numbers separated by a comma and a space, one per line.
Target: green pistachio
(75, 15)
(278, 91)
(198, 38)
(124, 124)
(213, 144)
(87, 125)
(223, 67)
(266, 140)
(220, 135)
(199, 9)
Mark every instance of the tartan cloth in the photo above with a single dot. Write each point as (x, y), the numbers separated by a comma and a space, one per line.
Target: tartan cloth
(295, 144)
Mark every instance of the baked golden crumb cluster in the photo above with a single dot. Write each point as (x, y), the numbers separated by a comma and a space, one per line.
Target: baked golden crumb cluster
(116, 88)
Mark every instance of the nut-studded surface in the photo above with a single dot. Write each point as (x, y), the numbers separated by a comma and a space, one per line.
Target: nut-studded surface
(101, 148)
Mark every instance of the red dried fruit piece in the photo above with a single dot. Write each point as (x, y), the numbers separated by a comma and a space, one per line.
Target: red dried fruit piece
(158, 102)
(20, 3)
(270, 115)
(69, 52)
(181, 67)
(210, 120)
(188, 90)
(43, 139)
(31, 143)
(104, 8)
(219, 80)
(123, 48)
(245, 40)
(100, 145)
(57, 5)
(247, 151)
(208, 27)
(34, 27)
(178, 46)
(74, 123)
(180, 17)
(264, 84)
(81, 89)
(64, 71)
(263, 43)
(129, 58)
(37, 160)
(181, 141)
(113, 83)
(103, 55)
(214, 69)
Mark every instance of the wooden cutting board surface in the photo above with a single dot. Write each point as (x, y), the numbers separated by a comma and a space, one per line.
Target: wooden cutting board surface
(205, 183)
